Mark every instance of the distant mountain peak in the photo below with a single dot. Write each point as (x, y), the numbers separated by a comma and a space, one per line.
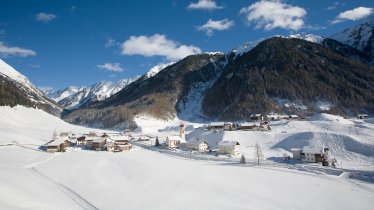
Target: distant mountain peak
(360, 37)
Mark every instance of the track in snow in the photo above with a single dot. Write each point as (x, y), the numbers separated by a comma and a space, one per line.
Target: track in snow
(79, 200)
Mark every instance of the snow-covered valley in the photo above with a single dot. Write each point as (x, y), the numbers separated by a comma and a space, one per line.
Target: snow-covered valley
(150, 179)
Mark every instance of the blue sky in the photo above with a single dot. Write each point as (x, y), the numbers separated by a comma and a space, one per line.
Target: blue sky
(57, 43)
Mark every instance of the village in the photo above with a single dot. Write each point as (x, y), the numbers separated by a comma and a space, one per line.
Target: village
(124, 141)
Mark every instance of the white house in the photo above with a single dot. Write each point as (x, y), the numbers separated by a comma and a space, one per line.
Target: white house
(200, 146)
(174, 141)
(311, 154)
(228, 147)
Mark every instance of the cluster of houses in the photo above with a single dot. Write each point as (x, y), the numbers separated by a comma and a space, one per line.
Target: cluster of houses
(114, 143)
(224, 147)
(229, 126)
(258, 122)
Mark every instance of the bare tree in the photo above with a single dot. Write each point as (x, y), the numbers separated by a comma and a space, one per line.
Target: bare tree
(258, 153)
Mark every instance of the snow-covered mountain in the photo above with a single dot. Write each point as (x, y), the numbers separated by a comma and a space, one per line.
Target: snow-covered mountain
(246, 47)
(17, 89)
(154, 70)
(360, 37)
(75, 97)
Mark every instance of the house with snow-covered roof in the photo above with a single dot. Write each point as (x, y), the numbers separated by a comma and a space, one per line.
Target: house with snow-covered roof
(174, 141)
(98, 143)
(228, 147)
(58, 145)
(248, 126)
(198, 145)
(216, 125)
(311, 154)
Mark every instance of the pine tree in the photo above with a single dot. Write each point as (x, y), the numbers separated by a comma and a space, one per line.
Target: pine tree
(157, 142)
(242, 159)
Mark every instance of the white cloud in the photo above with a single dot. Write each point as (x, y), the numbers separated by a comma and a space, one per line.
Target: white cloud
(354, 14)
(45, 17)
(157, 45)
(270, 14)
(6, 51)
(205, 5)
(110, 42)
(116, 67)
(218, 25)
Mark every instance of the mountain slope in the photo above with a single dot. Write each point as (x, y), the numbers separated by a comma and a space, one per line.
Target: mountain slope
(360, 37)
(16, 89)
(294, 70)
(346, 50)
(159, 96)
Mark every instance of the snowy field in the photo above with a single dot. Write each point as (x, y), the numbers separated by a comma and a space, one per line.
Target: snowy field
(144, 179)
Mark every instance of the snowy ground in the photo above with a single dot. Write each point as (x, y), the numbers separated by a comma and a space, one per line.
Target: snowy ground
(144, 179)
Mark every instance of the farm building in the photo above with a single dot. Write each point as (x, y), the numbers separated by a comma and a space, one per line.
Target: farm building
(174, 141)
(200, 146)
(256, 117)
(228, 147)
(216, 125)
(58, 145)
(98, 143)
(248, 126)
(362, 116)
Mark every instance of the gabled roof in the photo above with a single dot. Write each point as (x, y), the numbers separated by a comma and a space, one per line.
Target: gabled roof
(57, 141)
(228, 143)
(217, 124)
(313, 149)
(176, 138)
(120, 138)
(99, 140)
(248, 124)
